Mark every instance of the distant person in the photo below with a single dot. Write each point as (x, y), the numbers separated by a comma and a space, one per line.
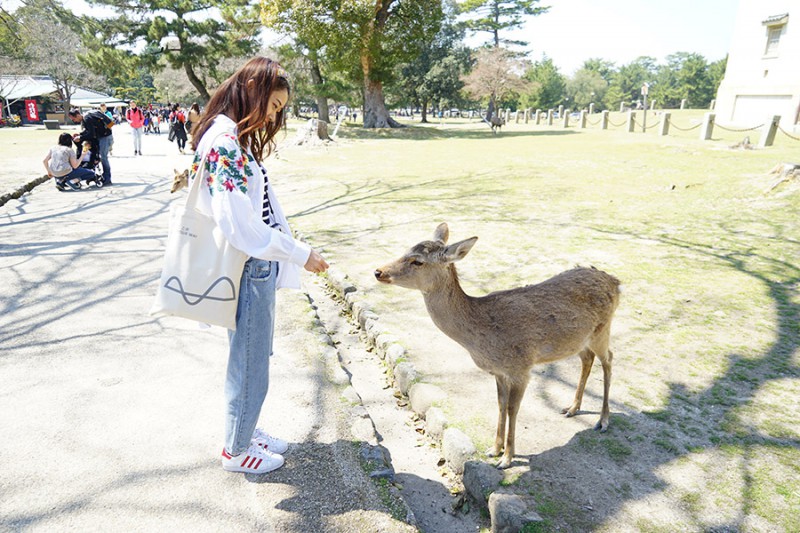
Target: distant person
(194, 116)
(135, 119)
(97, 130)
(109, 114)
(177, 121)
(63, 165)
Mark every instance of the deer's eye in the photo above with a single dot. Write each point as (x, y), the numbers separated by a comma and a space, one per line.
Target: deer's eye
(416, 262)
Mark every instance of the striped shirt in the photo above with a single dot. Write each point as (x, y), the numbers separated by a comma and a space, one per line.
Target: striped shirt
(266, 209)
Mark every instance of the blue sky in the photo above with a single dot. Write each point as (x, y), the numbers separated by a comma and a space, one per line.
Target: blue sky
(622, 30)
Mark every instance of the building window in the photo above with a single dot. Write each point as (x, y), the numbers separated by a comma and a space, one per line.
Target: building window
(775, 26)
(773, 38)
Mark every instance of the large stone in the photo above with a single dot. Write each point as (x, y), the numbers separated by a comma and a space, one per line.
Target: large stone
(435, 423)
(480, 480)
(394, 352)
(405, 374)
(363, 430)
(511, 512)
(340, 280)
(423, 395)
(457, 449)
(382, 343)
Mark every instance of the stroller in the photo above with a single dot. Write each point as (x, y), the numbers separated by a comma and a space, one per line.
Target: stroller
(91, 160)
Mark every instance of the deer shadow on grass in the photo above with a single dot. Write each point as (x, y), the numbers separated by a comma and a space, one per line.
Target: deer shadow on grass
(585, 483)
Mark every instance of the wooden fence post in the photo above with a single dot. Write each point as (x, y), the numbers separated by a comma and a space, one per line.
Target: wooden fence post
(631, 120)
(604, 120)
(583, 119)
(565, 119)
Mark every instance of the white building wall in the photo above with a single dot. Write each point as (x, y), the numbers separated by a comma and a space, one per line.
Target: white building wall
(759, 84)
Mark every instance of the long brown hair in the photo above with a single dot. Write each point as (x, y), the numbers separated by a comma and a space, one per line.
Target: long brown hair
(248, 106)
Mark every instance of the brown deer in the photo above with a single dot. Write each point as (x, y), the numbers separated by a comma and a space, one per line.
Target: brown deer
(180, 181)
(507, 332)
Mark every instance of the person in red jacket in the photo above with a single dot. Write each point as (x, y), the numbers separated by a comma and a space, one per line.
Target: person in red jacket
(135, 119)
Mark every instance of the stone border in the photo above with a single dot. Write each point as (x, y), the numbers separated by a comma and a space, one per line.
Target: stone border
(373, 456)
(22, 190)
(456, 447)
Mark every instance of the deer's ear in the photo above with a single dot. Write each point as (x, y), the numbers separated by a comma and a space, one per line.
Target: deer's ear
(176, 171)
(442, 233)
(459, 250)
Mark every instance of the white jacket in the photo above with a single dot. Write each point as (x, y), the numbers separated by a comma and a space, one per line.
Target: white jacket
(233, 196)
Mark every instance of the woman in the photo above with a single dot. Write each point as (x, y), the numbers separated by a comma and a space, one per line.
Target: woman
(178, 121)
(233, 136)
(62, 164)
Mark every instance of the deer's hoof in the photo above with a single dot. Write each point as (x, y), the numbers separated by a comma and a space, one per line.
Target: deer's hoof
(569, 412)
(493, 452)
(505, 463)
(601, 426)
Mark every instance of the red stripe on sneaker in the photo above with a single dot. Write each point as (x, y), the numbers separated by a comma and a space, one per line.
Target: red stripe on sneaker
(247, 457)
(253, 461)
(225, 454)
(258, 463)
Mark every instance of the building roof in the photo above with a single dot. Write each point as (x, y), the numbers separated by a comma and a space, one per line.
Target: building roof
(776, 20)
(19, 87)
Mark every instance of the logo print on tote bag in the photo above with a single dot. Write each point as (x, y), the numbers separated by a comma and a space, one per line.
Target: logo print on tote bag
(206, 295)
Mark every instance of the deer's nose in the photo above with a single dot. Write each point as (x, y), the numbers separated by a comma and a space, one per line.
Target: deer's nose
(378, 274)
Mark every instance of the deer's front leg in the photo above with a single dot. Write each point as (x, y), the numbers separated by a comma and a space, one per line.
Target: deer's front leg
(502, 406)
(515, 394)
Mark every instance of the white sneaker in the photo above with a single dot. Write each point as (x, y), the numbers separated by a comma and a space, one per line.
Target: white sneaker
(268, 442)
(256, 460)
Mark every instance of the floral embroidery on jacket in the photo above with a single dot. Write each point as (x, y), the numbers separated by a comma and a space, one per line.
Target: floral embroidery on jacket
(226, 167)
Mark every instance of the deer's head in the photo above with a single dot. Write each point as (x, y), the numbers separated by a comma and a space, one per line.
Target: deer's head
(425, 266)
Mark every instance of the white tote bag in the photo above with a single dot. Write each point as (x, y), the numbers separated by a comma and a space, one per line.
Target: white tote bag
(202, 271)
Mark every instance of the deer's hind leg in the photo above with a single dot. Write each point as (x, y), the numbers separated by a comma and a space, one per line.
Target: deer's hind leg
(600, 347)
(587, 359)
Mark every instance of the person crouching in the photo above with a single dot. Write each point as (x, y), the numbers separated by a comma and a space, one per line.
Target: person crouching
(62, 164)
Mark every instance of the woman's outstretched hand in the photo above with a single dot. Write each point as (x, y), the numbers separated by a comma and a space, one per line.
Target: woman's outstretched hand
(316, 263)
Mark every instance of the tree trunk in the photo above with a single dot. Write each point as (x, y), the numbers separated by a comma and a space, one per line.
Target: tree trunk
(316, 79)
(375, 113)
(492, 107)
(196, 82)
(424, 111)
(322, 130)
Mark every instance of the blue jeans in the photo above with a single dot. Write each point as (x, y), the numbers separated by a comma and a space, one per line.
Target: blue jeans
(79, 173)
(250, 349)
(104, 145)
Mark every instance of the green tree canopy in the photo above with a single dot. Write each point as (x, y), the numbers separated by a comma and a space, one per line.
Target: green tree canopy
(494, 16)
(434, 76)
(190, 35)
(626, 83)
(367, 39)
(548, 85)
(585, 87)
